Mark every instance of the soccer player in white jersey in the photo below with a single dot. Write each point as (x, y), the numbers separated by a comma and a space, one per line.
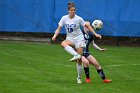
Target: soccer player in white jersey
(74, 38)
(88, 58)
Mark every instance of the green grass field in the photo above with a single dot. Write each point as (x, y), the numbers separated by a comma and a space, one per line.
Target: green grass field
(29, 67)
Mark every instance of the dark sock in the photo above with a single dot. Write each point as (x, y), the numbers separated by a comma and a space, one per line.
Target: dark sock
(101, 73)
(86, 71)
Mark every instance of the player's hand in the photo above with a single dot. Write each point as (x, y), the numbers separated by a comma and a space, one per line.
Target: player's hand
(103, 49)
(99, 36)
(53, 38)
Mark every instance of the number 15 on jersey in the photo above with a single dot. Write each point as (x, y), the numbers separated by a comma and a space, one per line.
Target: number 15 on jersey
(70, 30)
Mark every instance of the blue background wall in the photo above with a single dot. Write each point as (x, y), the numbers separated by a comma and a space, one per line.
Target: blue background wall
(120, 17)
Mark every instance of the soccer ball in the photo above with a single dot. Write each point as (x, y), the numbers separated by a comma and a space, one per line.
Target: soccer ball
(97, 24)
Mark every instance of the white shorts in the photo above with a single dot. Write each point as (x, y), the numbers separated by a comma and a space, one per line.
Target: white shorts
(77, 42)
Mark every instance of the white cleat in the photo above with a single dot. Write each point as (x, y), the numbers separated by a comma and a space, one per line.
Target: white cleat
(79, 81)
(76, 57)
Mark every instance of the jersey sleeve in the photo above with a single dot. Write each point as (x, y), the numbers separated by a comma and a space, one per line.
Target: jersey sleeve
(82, 22)
(61, 22)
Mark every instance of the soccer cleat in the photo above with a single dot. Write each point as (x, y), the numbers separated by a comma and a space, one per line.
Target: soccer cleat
(88, 80)
(79, 81)
(76, 57)
(107, 81)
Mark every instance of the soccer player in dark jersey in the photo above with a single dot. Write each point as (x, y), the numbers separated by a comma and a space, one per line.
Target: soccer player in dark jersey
(87, 58)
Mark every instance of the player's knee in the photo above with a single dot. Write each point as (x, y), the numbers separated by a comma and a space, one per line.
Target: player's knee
(97, 66)
(63, 44)
(86, 64)
(85, 61)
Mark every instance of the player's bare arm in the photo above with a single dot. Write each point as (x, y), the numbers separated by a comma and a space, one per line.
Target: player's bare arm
(97, 47)
(56, 33)
(90, 29)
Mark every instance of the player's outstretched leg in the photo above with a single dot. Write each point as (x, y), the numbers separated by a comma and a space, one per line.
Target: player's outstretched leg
(102, 75)
(76, 57)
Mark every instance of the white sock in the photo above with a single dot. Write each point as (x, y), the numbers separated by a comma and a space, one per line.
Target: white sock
(70, 50)
(79, 70)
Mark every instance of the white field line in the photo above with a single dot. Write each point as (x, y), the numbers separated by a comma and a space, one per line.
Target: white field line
(71, 66)
(119, 65)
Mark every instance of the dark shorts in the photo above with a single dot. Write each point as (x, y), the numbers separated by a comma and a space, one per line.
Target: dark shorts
(86, 54)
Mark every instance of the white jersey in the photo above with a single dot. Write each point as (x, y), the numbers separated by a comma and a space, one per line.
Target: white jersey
(72, 26)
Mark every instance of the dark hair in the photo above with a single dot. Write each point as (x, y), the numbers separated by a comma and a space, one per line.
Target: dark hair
(70, 5)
